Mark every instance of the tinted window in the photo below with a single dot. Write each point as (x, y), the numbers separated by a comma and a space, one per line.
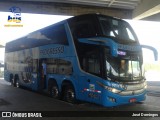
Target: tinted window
(59, 66)
(117, 29)
(55, 34)
(64, 67)
(84, 29)
(52, 65)
(84, 26)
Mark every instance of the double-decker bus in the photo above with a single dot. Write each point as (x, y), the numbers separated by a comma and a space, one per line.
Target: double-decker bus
(91, 57)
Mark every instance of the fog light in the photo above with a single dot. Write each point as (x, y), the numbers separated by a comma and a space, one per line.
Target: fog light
(112, 99)
(132, 100)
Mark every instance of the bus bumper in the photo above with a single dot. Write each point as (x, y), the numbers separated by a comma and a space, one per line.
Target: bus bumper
(112, 99)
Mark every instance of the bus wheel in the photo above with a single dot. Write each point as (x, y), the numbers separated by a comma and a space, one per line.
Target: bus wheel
(54, 92)
(17, 83)
(69, 94)
(12, 82)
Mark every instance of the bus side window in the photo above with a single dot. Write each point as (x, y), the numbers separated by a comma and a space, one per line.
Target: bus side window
(65, 67)
(52, 65)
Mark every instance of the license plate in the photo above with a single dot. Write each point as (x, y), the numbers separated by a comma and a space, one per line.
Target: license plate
(132, 100)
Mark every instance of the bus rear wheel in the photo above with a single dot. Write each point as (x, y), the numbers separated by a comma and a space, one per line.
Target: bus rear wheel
(16, 81)
(69, 94)
(54, 92)
(12, 82)
(17, 84)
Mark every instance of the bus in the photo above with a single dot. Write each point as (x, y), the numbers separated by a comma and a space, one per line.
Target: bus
(92, 57)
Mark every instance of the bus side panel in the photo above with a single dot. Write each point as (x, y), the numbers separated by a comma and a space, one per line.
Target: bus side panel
(89, 90)
(7, 75)
(22, 63)
(8, 62)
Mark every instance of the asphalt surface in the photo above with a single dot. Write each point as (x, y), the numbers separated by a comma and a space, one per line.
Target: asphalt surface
(16, 99)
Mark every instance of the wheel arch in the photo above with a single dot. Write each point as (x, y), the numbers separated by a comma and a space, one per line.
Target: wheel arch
(66, 83)
(16, 77)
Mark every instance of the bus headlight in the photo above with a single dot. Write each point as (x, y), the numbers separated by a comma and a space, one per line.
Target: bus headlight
(111, 89)
(114, 90)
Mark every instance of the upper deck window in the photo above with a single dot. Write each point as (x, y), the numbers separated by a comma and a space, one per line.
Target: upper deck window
(83, 27)
(116, 28)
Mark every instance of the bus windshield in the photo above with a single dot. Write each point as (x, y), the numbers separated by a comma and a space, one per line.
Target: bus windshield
(123, 68)
(117, 28)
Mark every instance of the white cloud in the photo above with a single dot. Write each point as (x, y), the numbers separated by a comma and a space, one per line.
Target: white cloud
(37, 35)
(30, 22)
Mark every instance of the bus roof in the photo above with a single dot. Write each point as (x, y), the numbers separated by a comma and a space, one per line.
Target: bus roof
(22, 40)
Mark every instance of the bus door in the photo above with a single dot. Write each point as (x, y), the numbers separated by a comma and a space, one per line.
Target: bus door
(90, 63)
(42, 74)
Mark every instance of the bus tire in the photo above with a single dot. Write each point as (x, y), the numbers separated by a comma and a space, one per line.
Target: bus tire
(54, 92)
(11, 80)
(69, 94)
(16, 81)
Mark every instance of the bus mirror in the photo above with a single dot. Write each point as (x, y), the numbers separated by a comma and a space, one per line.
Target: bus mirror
(113, 47)
(114, 52)
(153, 49)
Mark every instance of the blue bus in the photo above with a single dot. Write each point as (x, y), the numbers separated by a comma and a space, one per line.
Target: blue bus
(91, 57)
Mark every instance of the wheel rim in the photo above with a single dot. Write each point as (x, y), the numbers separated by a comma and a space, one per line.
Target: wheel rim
(17, 84)
(70, 96)
(54, 92)
(12, 82)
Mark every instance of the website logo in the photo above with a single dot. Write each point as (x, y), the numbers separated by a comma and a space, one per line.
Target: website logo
(21, 114)
(6, 114)
(14, 18)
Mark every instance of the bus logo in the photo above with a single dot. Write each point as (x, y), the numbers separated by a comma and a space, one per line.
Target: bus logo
(14, 18)
(15, 15)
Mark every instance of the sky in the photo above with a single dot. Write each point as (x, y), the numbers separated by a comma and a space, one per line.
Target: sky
(30, 22)
(147, 32)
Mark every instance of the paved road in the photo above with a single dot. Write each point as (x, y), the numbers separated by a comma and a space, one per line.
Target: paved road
(15, 99)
